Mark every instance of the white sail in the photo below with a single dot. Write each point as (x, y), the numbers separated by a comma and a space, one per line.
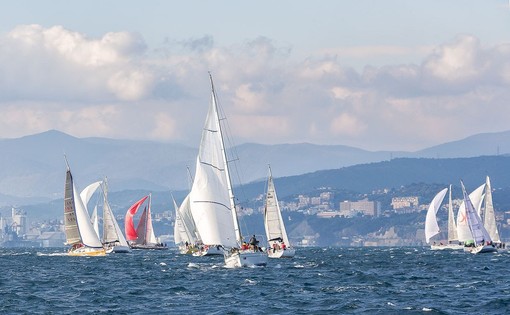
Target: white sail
(210, 196)
(179, 231)
(452, 226)
(88, 234)
(85, 196)
(431, 226)
(151, 237)
(111, 230)
(79, 229)
(478, 232)
(275, 229)
(463, 231)
(95, 220)
(490, 216)
(184, 228)
(87, 193)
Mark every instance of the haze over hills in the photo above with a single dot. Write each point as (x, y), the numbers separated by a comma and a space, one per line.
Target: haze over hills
(34, 168)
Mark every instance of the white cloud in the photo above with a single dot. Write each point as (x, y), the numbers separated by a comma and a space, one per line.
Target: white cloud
(113, 86)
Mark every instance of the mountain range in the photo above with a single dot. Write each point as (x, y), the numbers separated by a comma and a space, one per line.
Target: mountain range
(34, 169)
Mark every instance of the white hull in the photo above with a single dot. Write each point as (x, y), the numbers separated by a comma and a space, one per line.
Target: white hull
(281, 253)
(481, 249)
(447, 247)
(209, 251)
(245, 258)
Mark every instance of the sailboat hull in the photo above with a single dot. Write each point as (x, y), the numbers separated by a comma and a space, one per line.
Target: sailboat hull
(209, 251)
(281, 253)
(240, 259)
(187, 250)
(120, 249)
(447, 247)
(87, 251)
(148, 246)
(480, 249)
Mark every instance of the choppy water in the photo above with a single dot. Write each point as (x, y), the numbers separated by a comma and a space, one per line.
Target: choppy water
(316, 281)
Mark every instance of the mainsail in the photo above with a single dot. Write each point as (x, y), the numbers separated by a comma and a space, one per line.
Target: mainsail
(211, 197)
(478, 232)
(111, 230)
(452, 226)
(78, 228)
(489, 215)
(275, 229)
(464, 233)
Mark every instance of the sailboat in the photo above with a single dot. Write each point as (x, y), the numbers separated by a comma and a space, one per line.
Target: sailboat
(463, 231)
(453, 238)
(212, 199)
(279, 245)
(481, 241)
(141, 237)
(432, 228)
(490, 215)
(79, 231)
(113, 239)
(185, 235)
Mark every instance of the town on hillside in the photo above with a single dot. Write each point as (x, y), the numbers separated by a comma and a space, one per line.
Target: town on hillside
(325, 217)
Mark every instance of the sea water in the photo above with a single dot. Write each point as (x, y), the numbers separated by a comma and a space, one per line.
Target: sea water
(383, 280)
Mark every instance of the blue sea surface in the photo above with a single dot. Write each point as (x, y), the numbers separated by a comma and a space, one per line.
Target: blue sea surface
(381, 280)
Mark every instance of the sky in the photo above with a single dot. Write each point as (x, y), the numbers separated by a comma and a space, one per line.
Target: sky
(377, 75)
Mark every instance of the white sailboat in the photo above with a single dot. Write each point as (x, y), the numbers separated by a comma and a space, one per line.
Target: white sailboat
(141, 237)
(490, 215)
(185, 235)
(113, 239)
(481, 240)
(463, 231)
(431, 226)
(79, 231)
(212, 199)
(279, 245)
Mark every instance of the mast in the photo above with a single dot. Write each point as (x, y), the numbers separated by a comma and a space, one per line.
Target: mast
(227, 171)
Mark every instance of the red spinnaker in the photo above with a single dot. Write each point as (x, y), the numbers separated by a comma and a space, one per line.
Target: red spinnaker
(129, 225)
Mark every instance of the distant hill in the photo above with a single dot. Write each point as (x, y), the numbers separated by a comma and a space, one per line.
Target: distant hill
(365, 178)
(33, 167)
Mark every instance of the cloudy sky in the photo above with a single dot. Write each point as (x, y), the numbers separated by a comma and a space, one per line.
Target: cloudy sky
(378, 75)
